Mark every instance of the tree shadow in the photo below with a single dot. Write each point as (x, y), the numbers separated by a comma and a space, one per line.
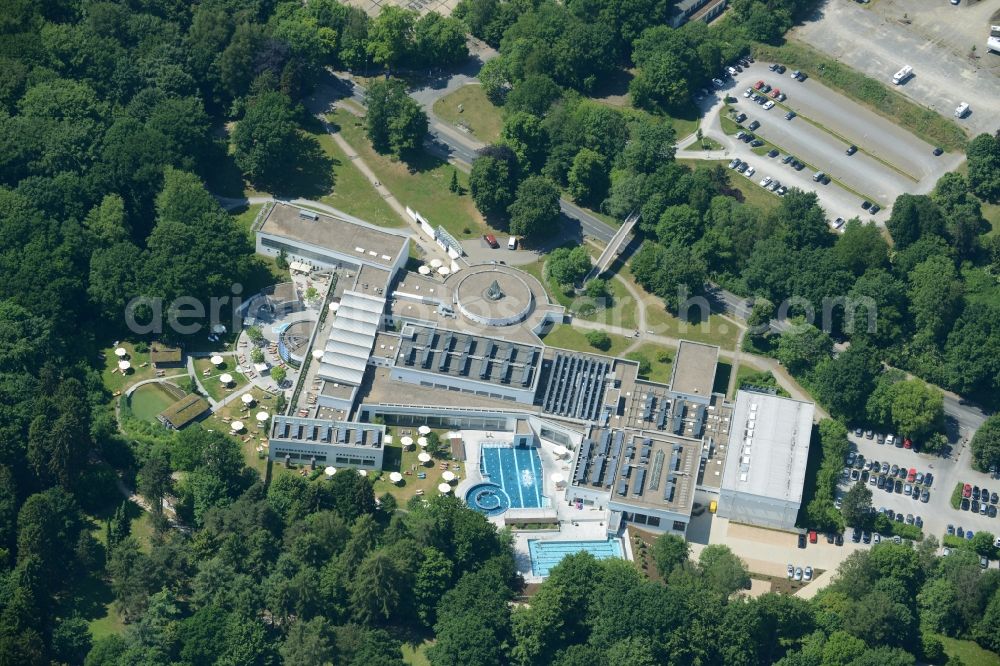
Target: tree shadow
(220, 173)
(311, 174)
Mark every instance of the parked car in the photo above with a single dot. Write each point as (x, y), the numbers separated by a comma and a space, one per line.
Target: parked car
(856, 535)
(950, 530)
(925, 496)
(866, 537)
(772, 153)
(765, 88)
(754, 125)
(795, 74)
(756, 143)
(491, 241)
(919, 522)
(781, 69)
(768, 105)
(959, 532)
(866, 204)
(876, 538)
(899, 486)
(911, 475)
(741, 117)
(798, 573)
(938, 152)
(758, 85)
(928, 479)
(852, 149)
(965, 504)
(791, 571)
(802, 541)
(994, 498)
(764, 183)
(750, 172)
(839, 540)
(813, 536)
(967, 490)
(808, 573)
(880, 484)
(775, 93)
(790, 115)
(787, 158)
(874, 209)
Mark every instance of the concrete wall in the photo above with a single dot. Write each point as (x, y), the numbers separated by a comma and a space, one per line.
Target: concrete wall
(757, 510)
(512, 392)
(327, 454)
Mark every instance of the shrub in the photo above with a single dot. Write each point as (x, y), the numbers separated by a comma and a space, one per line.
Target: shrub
(956, 495)
(599, 340)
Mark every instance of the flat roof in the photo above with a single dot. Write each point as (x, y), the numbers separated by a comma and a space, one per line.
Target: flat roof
(768, 446)
(160, 353)
(185, 410)
(639, 469)
(383, 389)
(483, 359)
(300, 430)
(344, 235)
(694, 368)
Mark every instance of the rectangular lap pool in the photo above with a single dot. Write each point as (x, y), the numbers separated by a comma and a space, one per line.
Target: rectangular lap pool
(547, 554)
(517, 470)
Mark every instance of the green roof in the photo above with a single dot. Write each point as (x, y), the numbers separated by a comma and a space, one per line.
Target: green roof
(162, 354)
(184, 411)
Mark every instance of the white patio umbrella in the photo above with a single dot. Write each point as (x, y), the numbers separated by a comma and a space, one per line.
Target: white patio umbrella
(444, 488)
(422, 441)
(362, 472)
(387, 439)
(557, 478)
(436, 263)
(395, 477)
(424, 430)
(424, 270)
(444, 270)
(124, 365)
(216, 360)
(560, 451)
(317, 354)
(424, 457)
(448, 476)
(236, 426)
(334, 307)
(262, 416)
(226, 378)
(121, 352)
(330, 471)
(247, 398)
(406, 441)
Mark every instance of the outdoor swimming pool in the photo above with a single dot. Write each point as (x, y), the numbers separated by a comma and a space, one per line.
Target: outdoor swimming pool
(547, 554)
(517, 470)
(488, 498)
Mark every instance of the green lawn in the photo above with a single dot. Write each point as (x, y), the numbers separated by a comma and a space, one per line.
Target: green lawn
(623, 310)
(716, 330)
(211, 381)
(422, 184)
(352, 193)
(749, 190)
(141, 369)
(992, 214)
(565, 336)
(477, 112)
(759, 378)
(406, 463)
(659, 369)
(416, 655)
(244, 217)
(969, 652)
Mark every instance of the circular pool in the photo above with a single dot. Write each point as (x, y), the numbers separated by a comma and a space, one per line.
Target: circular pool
(488, 498)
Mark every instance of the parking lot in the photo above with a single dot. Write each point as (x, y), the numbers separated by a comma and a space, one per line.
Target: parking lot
(932, 36)
(937, 513)
(890, 161)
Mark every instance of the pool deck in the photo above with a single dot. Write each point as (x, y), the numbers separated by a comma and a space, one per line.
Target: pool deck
(586, 524)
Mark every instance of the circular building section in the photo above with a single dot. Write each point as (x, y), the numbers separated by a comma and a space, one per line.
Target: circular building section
(294, 340)
(493, 296)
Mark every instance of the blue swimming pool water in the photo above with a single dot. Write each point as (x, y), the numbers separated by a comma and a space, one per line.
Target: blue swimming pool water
(517, 470)
(547, 554)
(488, 498)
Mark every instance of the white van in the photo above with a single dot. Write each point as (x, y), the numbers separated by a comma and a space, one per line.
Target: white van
(962, 110)
(512, 243)
(903, 74)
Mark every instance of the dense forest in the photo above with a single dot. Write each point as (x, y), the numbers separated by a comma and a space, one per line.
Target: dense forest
(115, 122)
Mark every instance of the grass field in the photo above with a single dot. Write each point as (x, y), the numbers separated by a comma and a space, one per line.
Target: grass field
(765, 378)
(969, 652)
(406, 463)
(421, 185)
(352, 193)
(659, 369)
(565, 336)
(416, 655)
(236, 411)
(923, 122)
(244, 217)
(211, 380)
(477, 112)
(750, 192)
(623, 310)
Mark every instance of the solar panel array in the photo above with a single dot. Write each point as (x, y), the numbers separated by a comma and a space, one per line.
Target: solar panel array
(319, 431)
(576, 386)
(463, 355)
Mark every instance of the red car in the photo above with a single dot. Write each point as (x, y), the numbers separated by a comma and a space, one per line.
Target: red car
(491, 240)
(911, 475)
(758, 85)
(775, 93)
(907, 443)
(812, 536)
(967, 490)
